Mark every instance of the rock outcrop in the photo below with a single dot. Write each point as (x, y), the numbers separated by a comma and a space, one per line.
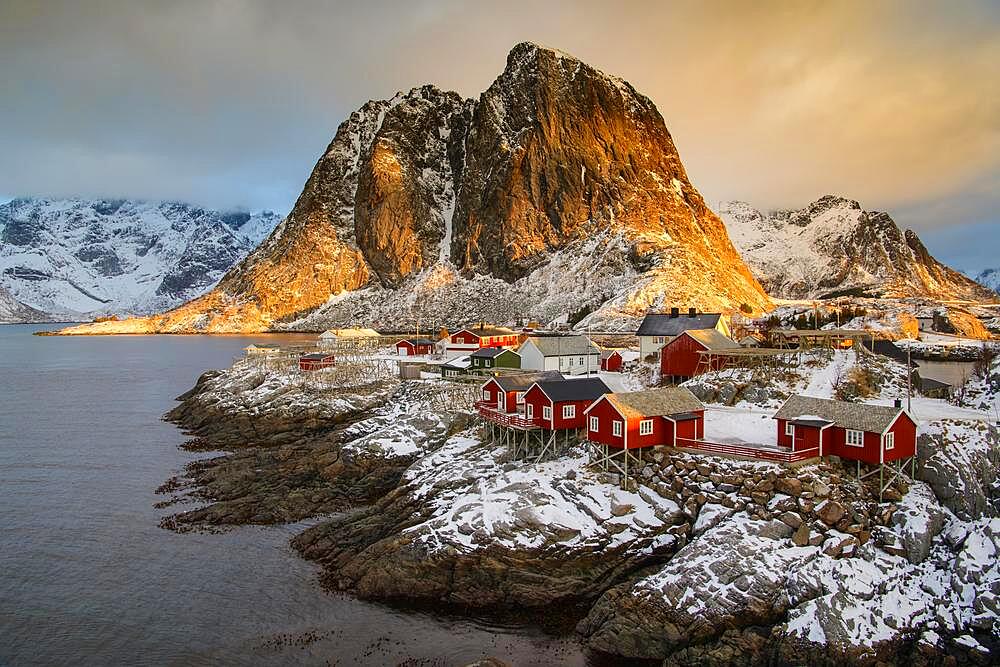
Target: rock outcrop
(560, 188)
(13, 311)
(833, 247)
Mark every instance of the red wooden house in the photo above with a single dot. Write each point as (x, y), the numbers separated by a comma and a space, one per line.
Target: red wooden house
(412, 347)
(316, 361)
(680, 358)
(504, 394)
(873, 434)
(648, 418)
(611, 361)
(558, 405)
(470, 340)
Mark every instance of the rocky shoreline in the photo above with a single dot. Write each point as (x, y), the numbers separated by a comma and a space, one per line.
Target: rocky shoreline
(706, 561)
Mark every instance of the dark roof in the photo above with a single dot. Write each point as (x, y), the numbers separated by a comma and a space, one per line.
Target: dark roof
(662, 324)
(521, 381)
(315, 356)
(855, 416)
(491, 352)
(815, 423)
(417, 341)
(584, 389)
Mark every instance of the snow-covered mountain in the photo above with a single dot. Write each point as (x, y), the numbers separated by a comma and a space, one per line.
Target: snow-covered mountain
(559, 190)
(75, 258)
(990, 278)
(13, 311)
(833, 247)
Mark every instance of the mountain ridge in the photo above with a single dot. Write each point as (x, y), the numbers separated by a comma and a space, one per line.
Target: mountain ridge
(832, 247)
(428, 195)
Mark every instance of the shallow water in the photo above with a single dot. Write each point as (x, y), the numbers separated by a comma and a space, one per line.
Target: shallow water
(86, 575)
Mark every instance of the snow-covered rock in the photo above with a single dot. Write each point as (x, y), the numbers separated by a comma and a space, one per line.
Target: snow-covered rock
(75, 257)
(834, 247)
(13, 311)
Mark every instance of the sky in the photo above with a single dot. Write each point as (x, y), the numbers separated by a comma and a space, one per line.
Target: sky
(229, 103)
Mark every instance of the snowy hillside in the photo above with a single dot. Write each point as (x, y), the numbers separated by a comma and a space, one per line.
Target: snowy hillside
(833, 247)
(73, 257)
(13, 311)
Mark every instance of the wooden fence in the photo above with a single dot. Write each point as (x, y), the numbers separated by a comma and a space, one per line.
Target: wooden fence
(747, 451)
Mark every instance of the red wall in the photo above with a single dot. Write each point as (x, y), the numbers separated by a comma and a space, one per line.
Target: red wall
(785, 440)
(605, 414)
(464, 338)
(906, 439)
(612, 364)
(493, 389)
(316, 364)
(807, 437)
(539, 400)
(680, 357)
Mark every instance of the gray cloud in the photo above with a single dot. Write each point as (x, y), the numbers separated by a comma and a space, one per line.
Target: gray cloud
(896, 104)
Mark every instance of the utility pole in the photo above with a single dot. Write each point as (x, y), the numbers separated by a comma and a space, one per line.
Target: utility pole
(909, 377)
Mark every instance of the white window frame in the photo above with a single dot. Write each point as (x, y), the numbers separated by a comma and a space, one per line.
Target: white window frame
(547, 412)
(581, 362)
(489, 362)
(519, 396)
(854, 434)
(595, 424)
(568, 411)
(646, 427)
(529, 411)
(616, 427)
(486, 393)
(889, 440)
(790, 429)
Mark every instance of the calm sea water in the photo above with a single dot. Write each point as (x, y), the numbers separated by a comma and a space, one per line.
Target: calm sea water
(87, 577)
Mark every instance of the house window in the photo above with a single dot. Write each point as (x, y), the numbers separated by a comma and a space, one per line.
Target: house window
(855, 438)
(546, 412)
(530, 411)
(595, 426)
(486, 394)
(890, 440)
(790, 429)
(646, 427)
(489, 362)
(581, 361)
(616, 428)
(569, 411)
(571, 361)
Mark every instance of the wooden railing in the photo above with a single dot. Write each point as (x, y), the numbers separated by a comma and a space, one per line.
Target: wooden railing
(514, 419)
(746, 451)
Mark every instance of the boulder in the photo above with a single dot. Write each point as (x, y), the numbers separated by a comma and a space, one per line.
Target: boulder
(830, 512)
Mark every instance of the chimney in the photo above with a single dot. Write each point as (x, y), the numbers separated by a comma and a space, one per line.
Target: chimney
(692, 312)
(674, 312)
(898, 403)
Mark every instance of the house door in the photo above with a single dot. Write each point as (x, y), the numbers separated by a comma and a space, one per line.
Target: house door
(502, 401)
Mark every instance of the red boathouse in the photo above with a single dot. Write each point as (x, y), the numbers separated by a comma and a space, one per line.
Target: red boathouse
(412, 347)
(680, 358)
(611, 361)
(316, 361)
(558, 405)
(648, 418)
(872, 434)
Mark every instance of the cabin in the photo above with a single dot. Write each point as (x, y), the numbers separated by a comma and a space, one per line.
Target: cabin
(331, 337)
(487, 359)
(505, 393)
(649, 418)
(414, 347)
(658, 329)
(751, 341)
(456, 366)
(872, 434)
(680, 359)
(572, 355)
(559, 404)
(611, 361)
(470, 340)
(253, 350)
(316, 361)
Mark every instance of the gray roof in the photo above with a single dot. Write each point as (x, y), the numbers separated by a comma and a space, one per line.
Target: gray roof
(418, 341)
(855, 416)
(656, 402)
(662, 324)
(712, 339)
(521, 381)
(584, 389)
(556, 346)
(491, 352)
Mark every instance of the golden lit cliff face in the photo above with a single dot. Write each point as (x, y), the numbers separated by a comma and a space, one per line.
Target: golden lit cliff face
(559, 151)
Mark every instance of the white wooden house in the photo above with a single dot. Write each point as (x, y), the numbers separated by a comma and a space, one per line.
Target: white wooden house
(570, 355)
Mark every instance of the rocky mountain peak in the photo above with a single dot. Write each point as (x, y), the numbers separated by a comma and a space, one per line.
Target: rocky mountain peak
(558, 190)
(833, 246)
